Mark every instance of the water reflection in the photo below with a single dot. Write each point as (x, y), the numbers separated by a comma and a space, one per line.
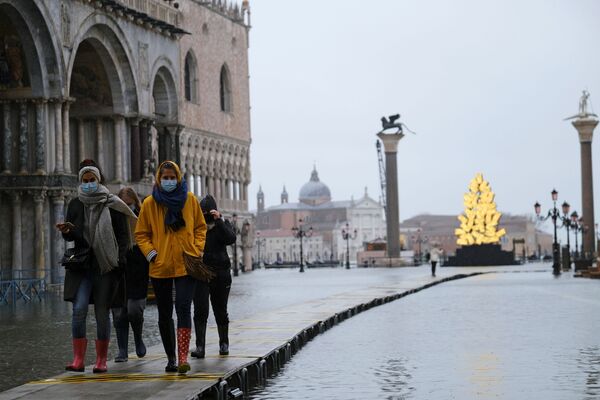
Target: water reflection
(507, 336)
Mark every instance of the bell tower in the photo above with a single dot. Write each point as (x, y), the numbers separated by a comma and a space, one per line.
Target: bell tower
(260, 200)
(284, 196)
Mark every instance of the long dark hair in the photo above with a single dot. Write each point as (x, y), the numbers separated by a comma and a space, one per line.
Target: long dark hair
(129, 192)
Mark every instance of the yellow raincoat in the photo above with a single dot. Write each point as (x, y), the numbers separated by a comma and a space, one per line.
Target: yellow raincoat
(153, 238)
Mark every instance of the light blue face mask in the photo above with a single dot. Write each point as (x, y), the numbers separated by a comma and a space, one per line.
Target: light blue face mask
(168, 185)
(89, 187)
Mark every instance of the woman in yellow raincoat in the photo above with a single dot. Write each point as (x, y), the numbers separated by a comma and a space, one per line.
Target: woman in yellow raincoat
(170, 225)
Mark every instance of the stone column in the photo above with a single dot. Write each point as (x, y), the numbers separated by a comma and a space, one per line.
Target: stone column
(99, 143)
(17, 245)
(23, 137)
(7, 144)
(202, 184)
(57, 242)
(585, 128)
(66, 137)
(40, 137)
(58, 137)
(40, 261)
(81, 139)
(144, 142)
(218, 187)
(390, 144)
(119, 142)
(136, 156)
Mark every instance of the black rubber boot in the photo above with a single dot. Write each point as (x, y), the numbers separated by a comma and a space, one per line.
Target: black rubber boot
(223, 339)
(167, 334)
(122, 342)
(140, 347)
(200, 328)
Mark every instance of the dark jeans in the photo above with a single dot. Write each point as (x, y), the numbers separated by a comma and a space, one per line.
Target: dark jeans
(433, 264)
(90, 284)
(218, 290)
(184, 293)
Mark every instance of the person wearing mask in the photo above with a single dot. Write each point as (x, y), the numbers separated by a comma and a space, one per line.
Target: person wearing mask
(101, 225)
(170, 232)
(220, 234)
(136, 290)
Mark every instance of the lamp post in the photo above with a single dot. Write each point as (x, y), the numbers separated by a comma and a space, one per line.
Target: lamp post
(300, 233)
(578, 227)
(555, 215)
(235, 258)
(259, 242)
(347, 236)
(566, 223)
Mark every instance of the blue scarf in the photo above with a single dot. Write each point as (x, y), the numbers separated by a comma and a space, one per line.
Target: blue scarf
(174, 201)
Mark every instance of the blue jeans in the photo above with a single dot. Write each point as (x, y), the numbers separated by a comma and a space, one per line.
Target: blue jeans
(184, 294)
(80, 310)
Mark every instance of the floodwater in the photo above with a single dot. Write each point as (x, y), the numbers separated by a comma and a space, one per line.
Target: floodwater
(498, 336)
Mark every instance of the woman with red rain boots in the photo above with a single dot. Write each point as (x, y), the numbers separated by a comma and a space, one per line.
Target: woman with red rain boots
(101, 225)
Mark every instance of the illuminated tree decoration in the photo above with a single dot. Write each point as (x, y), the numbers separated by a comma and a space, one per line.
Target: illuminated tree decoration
(479, 223)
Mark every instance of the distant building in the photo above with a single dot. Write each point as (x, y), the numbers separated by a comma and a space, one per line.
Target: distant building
(421, 231)
(327, 218)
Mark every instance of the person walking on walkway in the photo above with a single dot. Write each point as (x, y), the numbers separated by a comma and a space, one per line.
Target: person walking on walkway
(434, 257)
(171, 231)
(136, 290)
(101, 226)
(220, 234)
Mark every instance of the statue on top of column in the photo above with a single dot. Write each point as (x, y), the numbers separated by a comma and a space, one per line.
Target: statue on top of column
(583, 107)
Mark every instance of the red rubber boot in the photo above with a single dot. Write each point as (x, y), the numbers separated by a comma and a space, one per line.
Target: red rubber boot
(183, 346)
(101, 354)
(79, 348)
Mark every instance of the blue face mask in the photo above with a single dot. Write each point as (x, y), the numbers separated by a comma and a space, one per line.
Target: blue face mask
(168, 185)
(90, 187)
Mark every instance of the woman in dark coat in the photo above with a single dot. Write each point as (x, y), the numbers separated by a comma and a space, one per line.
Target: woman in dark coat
(136, 288)
(101, 222)
(219, 235)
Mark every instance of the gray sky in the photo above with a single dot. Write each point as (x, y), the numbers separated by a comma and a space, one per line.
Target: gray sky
(485, 84)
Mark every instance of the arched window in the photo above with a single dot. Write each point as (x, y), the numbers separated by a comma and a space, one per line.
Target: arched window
(189, 76)
(225, 90)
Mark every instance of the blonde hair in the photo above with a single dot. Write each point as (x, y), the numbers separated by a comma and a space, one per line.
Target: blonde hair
(129, 192)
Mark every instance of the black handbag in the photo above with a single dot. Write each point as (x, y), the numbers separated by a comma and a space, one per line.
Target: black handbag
(75, 259)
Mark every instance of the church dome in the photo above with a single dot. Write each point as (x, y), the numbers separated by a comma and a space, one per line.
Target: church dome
(314, 192)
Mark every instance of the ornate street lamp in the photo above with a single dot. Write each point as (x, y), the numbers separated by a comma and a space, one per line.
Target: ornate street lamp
(566, 223)
(347, 236)
(260, 241)
(300, 233)
(555, 215)
(578, 227)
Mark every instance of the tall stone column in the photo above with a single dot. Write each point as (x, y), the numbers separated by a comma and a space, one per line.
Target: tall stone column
(218, 187)
(58, 137)
(23, 137)
(390, 144)
(17, 244)
(585, 128)
(39, 198)
(81, 140)
(7, 143)
(136, 156)
(119, 143)
(99, 143)
(40, 136)
(144, 143)
(66, 136)
(57, 242)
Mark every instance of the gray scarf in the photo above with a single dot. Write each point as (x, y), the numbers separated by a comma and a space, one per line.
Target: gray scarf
(98, 228)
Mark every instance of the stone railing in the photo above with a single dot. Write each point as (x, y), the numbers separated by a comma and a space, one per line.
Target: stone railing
(157, 9)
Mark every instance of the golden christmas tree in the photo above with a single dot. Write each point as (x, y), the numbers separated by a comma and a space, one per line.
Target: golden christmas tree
(479, 223)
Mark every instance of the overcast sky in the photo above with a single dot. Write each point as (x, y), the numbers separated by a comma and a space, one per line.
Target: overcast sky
(485, 84)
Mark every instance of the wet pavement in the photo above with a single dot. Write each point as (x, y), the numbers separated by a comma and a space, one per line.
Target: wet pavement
(33, 335)
(500, 336)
